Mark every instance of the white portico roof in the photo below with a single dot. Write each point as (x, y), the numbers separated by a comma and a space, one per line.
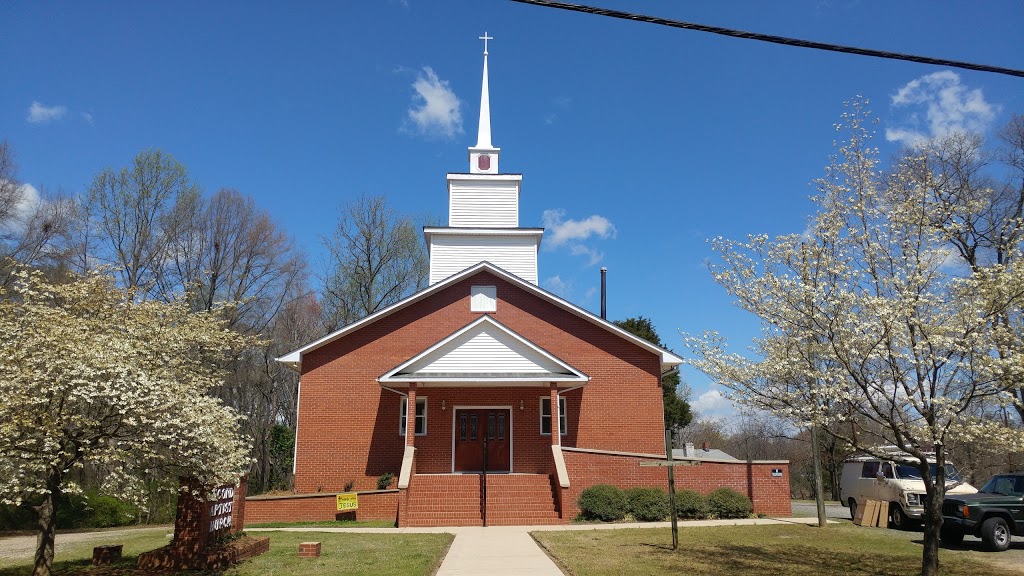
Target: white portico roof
(293, 359)
(484, 352)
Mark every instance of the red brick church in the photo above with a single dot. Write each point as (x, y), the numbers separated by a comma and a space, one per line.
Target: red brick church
(485, 371)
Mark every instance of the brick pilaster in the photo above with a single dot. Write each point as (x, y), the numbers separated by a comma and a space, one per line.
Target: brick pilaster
(410, 417)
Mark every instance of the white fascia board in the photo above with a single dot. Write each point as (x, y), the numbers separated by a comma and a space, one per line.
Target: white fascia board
(478, 383)
(576, 376)
(485, 177)
(445, 230)
(293, 359)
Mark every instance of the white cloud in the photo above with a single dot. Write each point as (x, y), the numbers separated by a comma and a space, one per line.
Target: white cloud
(29, 202)
(561, 231)
(593, 255)
(435, 107)
(39, 113)
(573, 233)
(557, 286)
(713, 404)
(940, 104)
(87, 116)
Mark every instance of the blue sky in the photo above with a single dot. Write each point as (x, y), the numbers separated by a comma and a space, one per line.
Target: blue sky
(636, 142)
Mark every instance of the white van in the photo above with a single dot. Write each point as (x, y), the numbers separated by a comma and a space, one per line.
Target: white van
(893, 481)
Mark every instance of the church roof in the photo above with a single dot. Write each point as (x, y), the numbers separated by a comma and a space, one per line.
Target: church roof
(294, 358)
(456, 359)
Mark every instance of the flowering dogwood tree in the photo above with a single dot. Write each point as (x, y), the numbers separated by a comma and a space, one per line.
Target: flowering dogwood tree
(89, 376)
(867, 329)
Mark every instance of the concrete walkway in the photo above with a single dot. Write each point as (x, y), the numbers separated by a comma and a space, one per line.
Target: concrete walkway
(510, 550)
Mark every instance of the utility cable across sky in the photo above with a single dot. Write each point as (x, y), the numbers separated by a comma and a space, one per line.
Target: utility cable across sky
(774, 39)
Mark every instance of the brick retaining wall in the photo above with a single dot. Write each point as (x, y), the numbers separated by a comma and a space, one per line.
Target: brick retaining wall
(770, 495)
(373, 505)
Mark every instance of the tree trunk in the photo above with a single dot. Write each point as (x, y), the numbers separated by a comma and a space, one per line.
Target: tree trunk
(46, 521)
(932, 525)
(936, 492)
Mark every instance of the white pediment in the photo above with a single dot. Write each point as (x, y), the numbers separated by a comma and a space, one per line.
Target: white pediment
(484, 351)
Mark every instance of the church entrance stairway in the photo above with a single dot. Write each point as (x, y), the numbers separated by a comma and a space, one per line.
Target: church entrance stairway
(458, 500)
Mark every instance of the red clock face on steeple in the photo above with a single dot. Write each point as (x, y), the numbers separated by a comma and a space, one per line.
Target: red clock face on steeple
(483, 162)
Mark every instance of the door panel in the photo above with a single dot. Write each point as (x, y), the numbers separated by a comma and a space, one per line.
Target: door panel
(472, 425)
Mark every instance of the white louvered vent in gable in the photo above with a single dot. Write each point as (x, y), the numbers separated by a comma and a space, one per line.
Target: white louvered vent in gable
(483, 299)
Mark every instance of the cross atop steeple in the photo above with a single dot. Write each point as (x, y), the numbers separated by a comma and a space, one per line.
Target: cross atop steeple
(483, 157)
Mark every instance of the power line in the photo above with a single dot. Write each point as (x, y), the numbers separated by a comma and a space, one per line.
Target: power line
(774, 39)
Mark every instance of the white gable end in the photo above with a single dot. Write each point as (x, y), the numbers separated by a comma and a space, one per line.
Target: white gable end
(485, 350)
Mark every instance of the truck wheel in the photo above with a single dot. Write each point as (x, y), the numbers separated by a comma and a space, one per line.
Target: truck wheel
(898, 520)
(951, 536)
(853, 509)
(995, 533)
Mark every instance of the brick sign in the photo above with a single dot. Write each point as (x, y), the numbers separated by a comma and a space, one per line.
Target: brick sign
(205, 515)
(348, 501)
(221, 508)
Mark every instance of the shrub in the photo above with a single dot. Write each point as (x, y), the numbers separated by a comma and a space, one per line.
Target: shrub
(385, 480)
(16, 518)
(648, 504)
(728, 503)
(93, 510)
(691, 505)
(602, 502)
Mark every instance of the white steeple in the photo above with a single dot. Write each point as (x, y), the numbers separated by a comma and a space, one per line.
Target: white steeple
(483, 158)
(483, 213)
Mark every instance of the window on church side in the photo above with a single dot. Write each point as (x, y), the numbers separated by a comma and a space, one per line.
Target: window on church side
(421, 416)
(545, 416)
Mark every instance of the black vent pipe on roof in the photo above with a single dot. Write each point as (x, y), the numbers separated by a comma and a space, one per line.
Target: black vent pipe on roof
(604, 293)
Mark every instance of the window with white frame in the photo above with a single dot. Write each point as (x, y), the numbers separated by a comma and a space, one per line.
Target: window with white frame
(421, 416)
(545, 416)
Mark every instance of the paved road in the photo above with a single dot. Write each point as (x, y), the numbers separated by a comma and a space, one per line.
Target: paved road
(804, 508)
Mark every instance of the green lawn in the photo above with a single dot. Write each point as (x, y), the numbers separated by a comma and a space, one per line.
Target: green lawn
(80, 554)
(356, 554)
(755, 550)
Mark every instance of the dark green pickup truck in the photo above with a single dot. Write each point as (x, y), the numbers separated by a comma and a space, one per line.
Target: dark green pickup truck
(994, 514)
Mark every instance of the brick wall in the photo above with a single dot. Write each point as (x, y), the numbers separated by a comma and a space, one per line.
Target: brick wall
(770, 495)
(348, 426)
(318, 508)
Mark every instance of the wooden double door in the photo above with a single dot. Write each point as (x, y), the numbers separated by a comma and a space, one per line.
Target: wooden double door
(475, 425)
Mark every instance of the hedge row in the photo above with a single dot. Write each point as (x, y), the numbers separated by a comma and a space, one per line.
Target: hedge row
(89, 510)
(609, 503)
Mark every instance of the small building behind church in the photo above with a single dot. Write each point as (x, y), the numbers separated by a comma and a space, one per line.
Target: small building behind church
(490, 400)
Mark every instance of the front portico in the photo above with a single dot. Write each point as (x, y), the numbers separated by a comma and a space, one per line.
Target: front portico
(483, 384)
